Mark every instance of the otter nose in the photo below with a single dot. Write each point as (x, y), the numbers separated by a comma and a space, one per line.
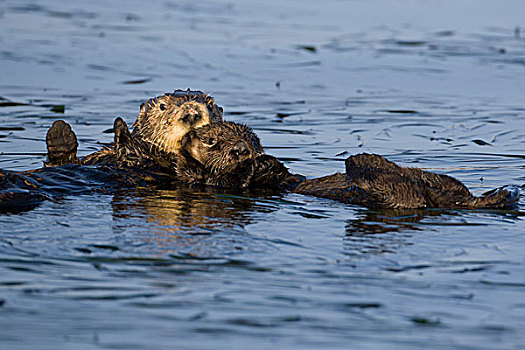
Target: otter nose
(192, 116)
(240, 149)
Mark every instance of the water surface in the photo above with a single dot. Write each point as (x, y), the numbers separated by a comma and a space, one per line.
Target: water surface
(428, 84)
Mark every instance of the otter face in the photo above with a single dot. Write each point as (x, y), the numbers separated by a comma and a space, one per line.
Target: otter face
(163, 120)
(225, 153)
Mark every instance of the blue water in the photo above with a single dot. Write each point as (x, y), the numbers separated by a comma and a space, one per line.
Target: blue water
(438, 85)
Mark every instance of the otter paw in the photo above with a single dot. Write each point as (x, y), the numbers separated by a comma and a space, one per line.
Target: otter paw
(120, 128)
(513, 194)
(509, 195)
(61, 144)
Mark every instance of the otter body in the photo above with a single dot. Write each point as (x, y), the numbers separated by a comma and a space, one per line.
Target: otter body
(230, 155)
(374, 182)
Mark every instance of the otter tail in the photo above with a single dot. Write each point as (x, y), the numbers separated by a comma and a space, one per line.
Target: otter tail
(61, 144)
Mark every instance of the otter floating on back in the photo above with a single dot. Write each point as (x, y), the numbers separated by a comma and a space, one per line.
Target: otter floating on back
(230, 155)
(226, 154)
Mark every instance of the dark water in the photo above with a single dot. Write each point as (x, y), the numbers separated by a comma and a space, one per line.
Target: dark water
(439, 85)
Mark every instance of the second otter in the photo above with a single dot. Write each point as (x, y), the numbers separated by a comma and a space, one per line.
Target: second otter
(370, 179)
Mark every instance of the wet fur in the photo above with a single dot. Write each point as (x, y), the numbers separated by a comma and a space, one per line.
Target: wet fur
(221, 155)
(61, 144)
(230, 155)
(162, 122)
(374, 182)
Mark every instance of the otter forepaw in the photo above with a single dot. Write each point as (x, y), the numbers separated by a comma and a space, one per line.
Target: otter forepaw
(122, 134)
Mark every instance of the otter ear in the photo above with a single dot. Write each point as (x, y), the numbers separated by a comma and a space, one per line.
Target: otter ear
(143, 109)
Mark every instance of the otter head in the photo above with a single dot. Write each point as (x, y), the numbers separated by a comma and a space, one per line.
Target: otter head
(221, 154)
(163, 120)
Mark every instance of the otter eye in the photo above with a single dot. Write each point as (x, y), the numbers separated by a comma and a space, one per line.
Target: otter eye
(162, 106)
(211, 141)
(210, 106)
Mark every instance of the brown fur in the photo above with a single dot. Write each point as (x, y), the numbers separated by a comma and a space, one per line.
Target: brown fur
(375, 182)
(19, 192)
(230, 155)
(221, 155)
(163, 121)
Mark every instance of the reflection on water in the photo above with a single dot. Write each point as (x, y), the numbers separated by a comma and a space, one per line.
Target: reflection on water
(385, 231)
(418, 82)
(183, 208)
(372, 222)
(196, 208)
(187, 219)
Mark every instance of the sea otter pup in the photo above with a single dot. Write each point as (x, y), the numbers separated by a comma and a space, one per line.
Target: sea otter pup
(161, 123)
(230, 154)
(370, 179)
(222, 155)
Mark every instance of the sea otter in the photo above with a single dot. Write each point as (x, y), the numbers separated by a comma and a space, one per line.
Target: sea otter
(223, 154)
(220, 155)
(370, 180)
(161, 123)
(225, 157)
(230, 155)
